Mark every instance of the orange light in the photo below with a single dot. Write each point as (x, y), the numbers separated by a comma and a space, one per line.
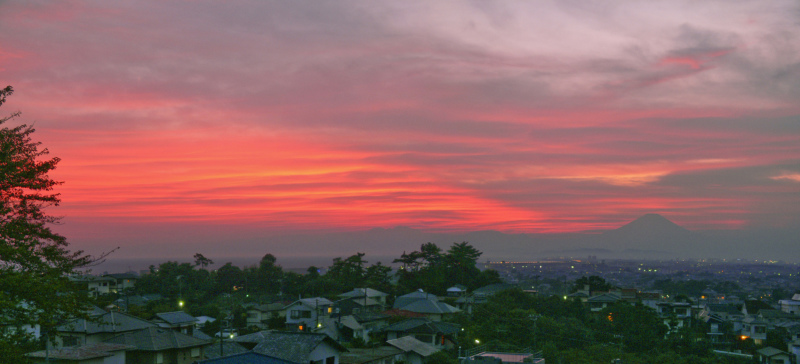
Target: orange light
(300, 327)
(744, 337)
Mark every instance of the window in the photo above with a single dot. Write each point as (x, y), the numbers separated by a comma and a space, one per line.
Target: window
(159, 358)
(330, 360)
(195, 352)
(70, 341)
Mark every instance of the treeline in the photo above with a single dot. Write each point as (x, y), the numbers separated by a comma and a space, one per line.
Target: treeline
(567, 331)
(430, 268)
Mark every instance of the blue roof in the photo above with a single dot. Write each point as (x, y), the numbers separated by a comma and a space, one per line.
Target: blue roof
(246, 358)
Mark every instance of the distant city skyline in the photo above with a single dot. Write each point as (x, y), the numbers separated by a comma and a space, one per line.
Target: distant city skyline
(258, 126)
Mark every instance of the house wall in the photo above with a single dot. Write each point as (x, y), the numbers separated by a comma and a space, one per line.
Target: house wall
(309, 319)
(118, 358)
(322, 352)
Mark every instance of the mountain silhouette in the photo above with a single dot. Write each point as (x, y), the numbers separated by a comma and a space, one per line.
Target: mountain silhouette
(650, 226)
(651, 232)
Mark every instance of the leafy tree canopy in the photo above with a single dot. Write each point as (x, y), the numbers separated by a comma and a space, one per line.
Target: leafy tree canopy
(34, 260)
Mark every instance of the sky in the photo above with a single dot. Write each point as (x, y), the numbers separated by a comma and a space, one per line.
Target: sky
(197, 122)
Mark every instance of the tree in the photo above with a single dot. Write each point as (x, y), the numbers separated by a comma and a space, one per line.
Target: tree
(34, 260)
(595, 283)
(201, 261)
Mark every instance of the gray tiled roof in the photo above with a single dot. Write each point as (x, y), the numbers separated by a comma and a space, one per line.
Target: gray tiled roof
(312, 302)
(245, 358)
(429, 307)
(293, 346)
(228, 348)
(409, 343)
(156, 339)
(109, 322)
(84, 352)
(423, 325)
(176, 317)
(201, 335)
(406, 299)
(253, 338)
(359, 292)
(370, 355)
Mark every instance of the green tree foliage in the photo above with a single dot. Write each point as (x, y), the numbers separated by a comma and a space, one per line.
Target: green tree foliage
(434, 271)
(202, 261)
(638, 327)
(346, 274)
(34, 260)
(595, 283)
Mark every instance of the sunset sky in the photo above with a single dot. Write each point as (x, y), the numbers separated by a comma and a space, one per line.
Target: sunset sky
(241, 119)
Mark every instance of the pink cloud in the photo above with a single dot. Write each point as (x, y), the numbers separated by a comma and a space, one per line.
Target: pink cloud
(508, 116)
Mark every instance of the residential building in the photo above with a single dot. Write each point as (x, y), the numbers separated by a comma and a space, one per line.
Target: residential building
(258, 316)
(123, 282)
(248, 357)
(416, 352)
(770, 355)
(299, 347)
(98, 353)
(368, 293)
(93, 286)
(103, 326)
(425, 303)
(305, 313)
(436, 333)
(178, 320)
(791, 305)
(155, 345)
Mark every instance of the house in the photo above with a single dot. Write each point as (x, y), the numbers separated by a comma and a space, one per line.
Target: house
(300, 347)
(356, 305)
(379, 355)
(770, 355)
(436, 333)
(792, 305)
(123, 282)
(755, 328)
(97, 329)
(424, 303)
(305, 313)
(178, 320)
(259, 315)
(127, 301)
(752, 307)
(599, 302)
(369, 293)
(202, 321)
(416, 352)
(505, 358)
(458, 290)
(223, 348)
(156, 345)
(98, 353)
(346, 328)
(675, 314)
(248, 357)
(93, 286)
(794, 346)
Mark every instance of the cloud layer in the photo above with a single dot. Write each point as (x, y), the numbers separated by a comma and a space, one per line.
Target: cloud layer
(558, 116)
